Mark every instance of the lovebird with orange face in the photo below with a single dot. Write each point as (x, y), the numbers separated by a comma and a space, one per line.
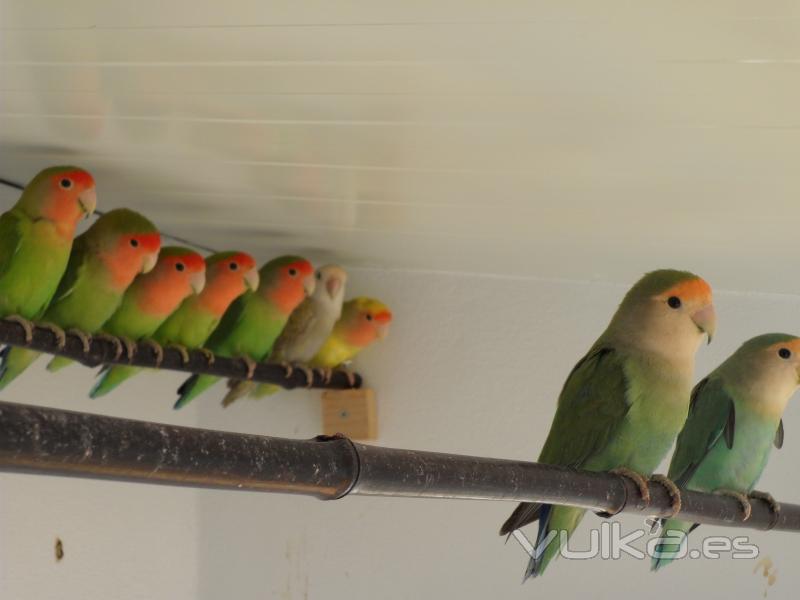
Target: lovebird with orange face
(251, 325)
(36, 239)
(104, 261)
(180, 273)
(228, 276)
(625, 401)
(363, 321)
(735, 418)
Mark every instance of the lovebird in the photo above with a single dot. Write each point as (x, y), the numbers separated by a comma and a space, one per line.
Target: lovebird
(154, 296)
(103, 263)
(251, 325)
(363, 321)
(36, 237)
(308, 327)
(228, 276)
(625, 401)
(735, 418)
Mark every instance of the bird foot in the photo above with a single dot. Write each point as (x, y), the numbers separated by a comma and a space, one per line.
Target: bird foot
(158, 351)
(250, 365)
(118, 348)
(309, 373)
(774, 505)
(747, 509)
(58, 334)
(351, 377)
(208, 354)
(130, 347)
(639, 481)
(288, 369)
(27, 326)
(182, 351)
(84, 339)
(326, 373)
(673, 491)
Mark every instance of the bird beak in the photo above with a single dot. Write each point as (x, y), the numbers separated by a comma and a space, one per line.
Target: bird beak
(706, 320)
(309, 283)
(197, 281)
(251, 280)
(149, 262)
(87, 200)
(332, 286)
(383, 330)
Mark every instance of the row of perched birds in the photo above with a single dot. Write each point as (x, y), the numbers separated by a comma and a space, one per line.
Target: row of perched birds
(626, 401)
(116, 280)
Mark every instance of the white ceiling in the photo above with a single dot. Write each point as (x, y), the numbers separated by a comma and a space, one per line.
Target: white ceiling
(574, 139)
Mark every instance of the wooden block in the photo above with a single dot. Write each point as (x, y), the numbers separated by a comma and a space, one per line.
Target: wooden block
(351, 412)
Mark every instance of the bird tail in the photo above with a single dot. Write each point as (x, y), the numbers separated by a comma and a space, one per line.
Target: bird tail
(668, 548)
(264, 389)
(110, 378)
(193, 387)
(13, 361)
(238, 389)
(552, 521)
(58, 362)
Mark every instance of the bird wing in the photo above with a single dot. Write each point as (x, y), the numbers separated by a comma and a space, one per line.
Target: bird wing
(74, 272)
(712, 417)
(300, 321)
(11, 227)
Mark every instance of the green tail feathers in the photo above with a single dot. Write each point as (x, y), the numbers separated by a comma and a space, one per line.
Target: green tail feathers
(59, 362)
(13, 361)
(193, 387)
(265, 389)
(111, 378)
(673, 535)
(552, 521)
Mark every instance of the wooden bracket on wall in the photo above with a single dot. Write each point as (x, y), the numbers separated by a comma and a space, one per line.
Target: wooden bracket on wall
(353, 413)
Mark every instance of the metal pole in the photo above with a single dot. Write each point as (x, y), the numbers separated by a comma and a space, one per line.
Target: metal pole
(51, 441)
(104, 350)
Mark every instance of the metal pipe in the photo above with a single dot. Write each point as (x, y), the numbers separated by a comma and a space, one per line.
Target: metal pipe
(104, 350)
(52, 441)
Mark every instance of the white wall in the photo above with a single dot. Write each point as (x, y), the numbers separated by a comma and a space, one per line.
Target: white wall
(473, 365)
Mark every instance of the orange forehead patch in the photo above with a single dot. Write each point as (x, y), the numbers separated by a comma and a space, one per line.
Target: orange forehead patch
(303, 267)
(383, 316)
(245, 260)
(193, 261)
(696, 289)
(79, 176)
(793, 345)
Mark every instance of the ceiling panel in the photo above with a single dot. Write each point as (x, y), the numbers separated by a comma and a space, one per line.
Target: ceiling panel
(548, 139)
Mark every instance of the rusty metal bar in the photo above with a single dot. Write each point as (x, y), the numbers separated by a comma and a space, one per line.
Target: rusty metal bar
(57, 442)
(103, 350)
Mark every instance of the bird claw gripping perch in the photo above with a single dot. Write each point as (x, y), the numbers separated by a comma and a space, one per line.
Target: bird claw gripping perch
(58, 334)
(158, 351)
(27, 326)
(130, 347)
(84, 339)
(118, 347)
(208, 354)
(673, 491)
(288, 369)
(744, 502)
(638, 480)
(182, 351)
(326, 373)
(774, 505)
(309, 373)
(250, 365)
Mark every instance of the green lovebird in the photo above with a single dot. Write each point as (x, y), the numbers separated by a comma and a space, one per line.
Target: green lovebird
(250, 326)
(103, 263)
(363, 321)
(36, 238)
(308, 327)
(734, 420)
(625, 401)
(228, 276)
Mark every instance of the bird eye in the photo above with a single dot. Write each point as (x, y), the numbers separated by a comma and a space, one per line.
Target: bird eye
(369, 317)
(180, 266)
(319, 275)
(233, 266)
(292, 272)
(674, 302)
(65, 183)
(785, 353)
(134, 243)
